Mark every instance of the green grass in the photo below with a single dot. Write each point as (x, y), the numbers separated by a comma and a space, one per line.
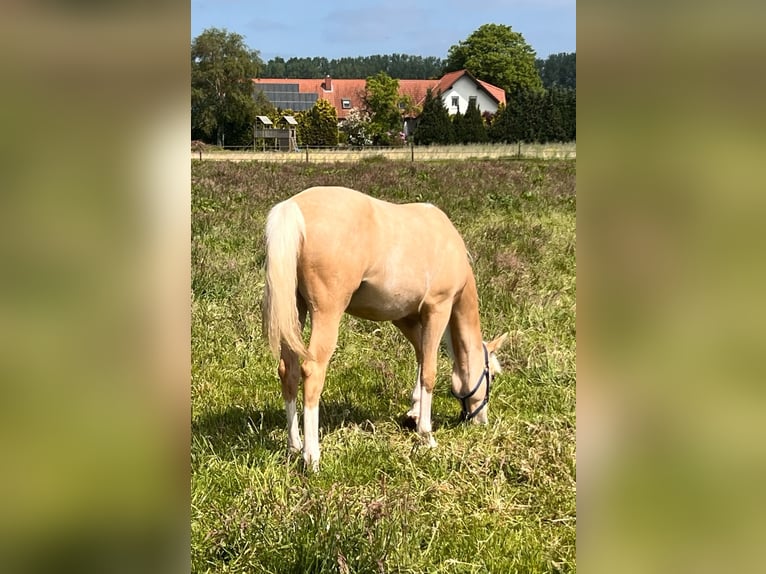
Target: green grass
(498, 498)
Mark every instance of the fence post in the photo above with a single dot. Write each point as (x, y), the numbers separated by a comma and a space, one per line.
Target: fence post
(412, 152)
(519, 153)
(307, 153)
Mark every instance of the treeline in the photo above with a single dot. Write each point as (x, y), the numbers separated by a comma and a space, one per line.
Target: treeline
(556, 71)
(400, 66)
(529, 116)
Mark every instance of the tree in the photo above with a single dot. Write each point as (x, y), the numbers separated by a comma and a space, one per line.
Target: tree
(434, 125)
(222, 102)
(457, 128)
(275, 68)
(499, 130)
(498, 55)
(401, 66)
(381, 102)
(558, 71)
(474, 130)
(357, 127)
(318, 126)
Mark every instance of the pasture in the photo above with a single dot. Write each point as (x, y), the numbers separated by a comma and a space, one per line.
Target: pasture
(494, 498)
(404, 153)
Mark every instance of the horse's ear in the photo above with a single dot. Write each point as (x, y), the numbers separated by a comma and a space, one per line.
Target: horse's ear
(494, 345)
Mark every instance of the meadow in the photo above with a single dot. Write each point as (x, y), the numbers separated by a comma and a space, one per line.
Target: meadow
(403, 153)
(495, 498)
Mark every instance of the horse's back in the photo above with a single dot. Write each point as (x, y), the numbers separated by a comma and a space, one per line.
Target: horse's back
(386, 259)
(346, 207)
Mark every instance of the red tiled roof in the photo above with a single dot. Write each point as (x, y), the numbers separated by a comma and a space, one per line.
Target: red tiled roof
(448, 80)
(341, 90)
(353, 90)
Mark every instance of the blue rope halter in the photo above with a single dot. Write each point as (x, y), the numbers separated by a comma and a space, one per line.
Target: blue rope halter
(485, 376)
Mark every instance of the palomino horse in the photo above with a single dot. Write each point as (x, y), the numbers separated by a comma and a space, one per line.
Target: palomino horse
(331, 250)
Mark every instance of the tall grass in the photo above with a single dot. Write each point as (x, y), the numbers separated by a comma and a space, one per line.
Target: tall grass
(498, 498)
(554, 150)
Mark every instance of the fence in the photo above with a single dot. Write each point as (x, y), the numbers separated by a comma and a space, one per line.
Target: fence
(412, 153)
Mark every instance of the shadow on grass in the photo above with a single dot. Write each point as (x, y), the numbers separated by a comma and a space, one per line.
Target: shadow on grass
(237, 430)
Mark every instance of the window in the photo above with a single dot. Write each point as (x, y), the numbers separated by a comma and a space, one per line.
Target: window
(472, 99)
(454, 101)
(346, 104)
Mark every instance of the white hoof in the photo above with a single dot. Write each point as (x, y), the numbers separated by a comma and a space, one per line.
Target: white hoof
(312, 464)
(429, 441)
(294, 447)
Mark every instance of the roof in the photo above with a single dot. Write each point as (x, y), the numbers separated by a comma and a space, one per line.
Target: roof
(448, 80)
(352, 90)
(286, 90)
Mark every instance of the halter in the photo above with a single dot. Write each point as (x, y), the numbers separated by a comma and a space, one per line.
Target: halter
(466, 415)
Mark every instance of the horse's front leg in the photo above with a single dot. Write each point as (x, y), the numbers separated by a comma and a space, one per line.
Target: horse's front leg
(434, 322)
(411, 329)
(414, 412)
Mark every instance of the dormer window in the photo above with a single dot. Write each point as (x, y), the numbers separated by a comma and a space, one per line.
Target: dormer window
(346, 104)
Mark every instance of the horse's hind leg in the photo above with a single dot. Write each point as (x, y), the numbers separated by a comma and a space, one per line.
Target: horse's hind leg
(324, 336)
(289, 375)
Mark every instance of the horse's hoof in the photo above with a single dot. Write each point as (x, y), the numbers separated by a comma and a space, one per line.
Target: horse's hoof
(409, 422)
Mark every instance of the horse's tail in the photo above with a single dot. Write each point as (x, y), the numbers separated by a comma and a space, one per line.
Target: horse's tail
(285, 231)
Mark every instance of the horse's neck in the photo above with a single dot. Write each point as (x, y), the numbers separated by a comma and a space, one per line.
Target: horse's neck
(465, 333)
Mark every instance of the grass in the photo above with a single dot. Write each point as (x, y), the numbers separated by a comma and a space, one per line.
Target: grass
(420, 153)
(498, 498)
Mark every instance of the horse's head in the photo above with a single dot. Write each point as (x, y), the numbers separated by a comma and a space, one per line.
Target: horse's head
(475, 398)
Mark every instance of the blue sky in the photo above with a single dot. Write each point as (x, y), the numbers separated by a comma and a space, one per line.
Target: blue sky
(308, 28)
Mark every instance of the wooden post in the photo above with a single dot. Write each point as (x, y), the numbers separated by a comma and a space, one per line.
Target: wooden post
(412, 152)
(307, 154)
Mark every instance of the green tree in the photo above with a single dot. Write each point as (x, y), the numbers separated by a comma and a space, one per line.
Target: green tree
(474, 130)
(275, 68)
(499, 130)
(558, 71)
(458, 128)
(318, 126)
(434, 125)
(381, 102)
(222, 105)
(498, 55)
(553, 117)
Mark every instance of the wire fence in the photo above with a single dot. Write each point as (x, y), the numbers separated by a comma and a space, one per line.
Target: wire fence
(319, 154)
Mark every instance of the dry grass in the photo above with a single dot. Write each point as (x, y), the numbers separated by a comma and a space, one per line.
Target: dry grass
(425, 153)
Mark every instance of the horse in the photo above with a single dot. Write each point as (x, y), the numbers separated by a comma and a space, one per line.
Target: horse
(334, 250)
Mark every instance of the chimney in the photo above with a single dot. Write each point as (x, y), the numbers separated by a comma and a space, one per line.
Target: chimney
(327, 85)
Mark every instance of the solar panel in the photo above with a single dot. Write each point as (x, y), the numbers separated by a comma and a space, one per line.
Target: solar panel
(286, 96)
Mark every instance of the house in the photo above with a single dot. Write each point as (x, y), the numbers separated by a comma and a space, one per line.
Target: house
(456, 88)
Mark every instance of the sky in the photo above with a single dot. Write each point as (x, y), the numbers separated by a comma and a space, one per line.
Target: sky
(334, 29)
